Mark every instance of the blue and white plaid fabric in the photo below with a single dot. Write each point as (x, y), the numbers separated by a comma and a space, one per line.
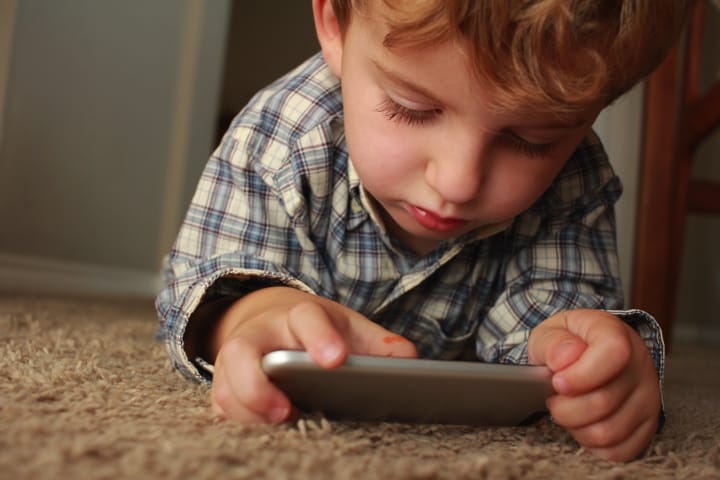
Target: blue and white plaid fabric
(279, 203)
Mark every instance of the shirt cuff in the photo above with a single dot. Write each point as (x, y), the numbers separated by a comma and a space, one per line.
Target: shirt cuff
(231, 282)
(649, 330)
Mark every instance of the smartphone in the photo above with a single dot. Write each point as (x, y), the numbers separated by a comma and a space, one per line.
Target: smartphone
(369, 388)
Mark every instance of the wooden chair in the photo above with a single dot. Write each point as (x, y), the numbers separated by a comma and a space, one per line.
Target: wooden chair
(678, 117)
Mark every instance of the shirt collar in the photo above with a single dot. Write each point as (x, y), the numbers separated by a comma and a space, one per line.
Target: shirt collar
(369, 206)
(359, 209)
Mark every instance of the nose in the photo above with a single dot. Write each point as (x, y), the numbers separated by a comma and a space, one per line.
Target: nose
(456, 169)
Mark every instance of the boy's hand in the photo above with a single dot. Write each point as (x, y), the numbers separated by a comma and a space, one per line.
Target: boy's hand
(608, 394)
(284, 318)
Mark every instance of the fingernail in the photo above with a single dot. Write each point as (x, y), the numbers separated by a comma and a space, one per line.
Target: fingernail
(279, 414)
(559, 384)
(331, 352)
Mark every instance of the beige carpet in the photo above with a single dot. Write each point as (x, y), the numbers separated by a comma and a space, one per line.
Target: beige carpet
(85, 392)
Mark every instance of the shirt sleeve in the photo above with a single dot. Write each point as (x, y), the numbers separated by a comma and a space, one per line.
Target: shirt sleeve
(566, 259)
(253, 220)
(238, 235)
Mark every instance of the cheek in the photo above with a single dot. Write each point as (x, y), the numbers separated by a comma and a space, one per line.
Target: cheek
(380, 151)
(381, 165)
(516, 184)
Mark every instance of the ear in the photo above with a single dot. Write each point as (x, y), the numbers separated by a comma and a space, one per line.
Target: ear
(329, 34)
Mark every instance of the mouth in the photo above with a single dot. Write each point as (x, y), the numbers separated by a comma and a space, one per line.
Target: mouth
(433, 221)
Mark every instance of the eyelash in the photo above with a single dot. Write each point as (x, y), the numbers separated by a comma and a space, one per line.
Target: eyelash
(529, 149)
(395, 112)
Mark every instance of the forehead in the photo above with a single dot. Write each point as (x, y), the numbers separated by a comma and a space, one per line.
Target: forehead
(533, 80)
(445, 70)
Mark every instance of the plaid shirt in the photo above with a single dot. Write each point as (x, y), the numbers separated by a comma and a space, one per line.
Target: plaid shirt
(279, 203)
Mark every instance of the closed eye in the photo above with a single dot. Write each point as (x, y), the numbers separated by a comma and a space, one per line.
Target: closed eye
(529, 149)
(396, 112)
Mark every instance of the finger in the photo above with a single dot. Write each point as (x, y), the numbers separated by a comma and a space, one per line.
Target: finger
(368, 338)
(554, 346)
(316, 326)
(315, 330)
(372, 339)
(609, 350)
(224, 404)
(398, 346)
(620, 426)
(246, 394)
(585, 409)
(632, 447)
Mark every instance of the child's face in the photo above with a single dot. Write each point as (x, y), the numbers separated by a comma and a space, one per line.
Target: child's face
(437, 160)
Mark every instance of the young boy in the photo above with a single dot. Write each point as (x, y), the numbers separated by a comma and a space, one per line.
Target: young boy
(429, 186)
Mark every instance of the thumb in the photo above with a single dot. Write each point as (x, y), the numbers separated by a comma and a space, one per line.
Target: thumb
(554, 346)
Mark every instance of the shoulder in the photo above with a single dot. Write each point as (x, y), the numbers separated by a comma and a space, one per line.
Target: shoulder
(290, 128)
(587, 178)
(278, 116)
(289, 139)
(585, 185)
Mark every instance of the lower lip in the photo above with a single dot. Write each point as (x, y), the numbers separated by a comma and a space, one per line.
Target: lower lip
(432, 222)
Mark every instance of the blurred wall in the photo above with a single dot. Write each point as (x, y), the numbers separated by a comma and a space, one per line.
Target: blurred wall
(251, 65)
(105, 104)
(7, 28)
(620, 128)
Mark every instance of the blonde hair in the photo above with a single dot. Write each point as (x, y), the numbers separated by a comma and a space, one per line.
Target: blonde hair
(560, 54)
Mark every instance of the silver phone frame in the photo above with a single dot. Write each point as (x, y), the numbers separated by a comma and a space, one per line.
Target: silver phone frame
(371, 388)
